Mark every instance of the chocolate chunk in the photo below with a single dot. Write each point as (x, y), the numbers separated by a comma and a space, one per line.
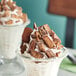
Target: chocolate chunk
(26, 34)
(23, 48)
(50, 54)
(42, 31)
(1, 23)
(41, 47)
(48, 41)
(9, 22)
(38, 36)
(36, 54)
(32, 45)
(47, 28)
(56, 38)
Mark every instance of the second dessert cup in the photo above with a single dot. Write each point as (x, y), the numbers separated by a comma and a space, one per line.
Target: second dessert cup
(10, 39)
(43, 67)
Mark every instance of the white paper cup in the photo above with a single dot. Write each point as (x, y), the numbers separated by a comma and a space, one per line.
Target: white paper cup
(45, 67)
(10, 38)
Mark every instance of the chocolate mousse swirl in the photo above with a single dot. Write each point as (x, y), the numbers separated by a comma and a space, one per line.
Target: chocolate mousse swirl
(11, 14)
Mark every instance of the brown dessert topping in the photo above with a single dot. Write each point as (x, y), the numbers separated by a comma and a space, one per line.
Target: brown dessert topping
(43, 40)
(1, 23)
(26, 34)
(41, 47)
(47, 28)
(48, 41)
(36, 54)
(32, 45)
(9, 22)
(23, 48)
(50, 54)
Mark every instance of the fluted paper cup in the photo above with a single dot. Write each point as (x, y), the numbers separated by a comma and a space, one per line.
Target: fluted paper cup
(43, 67)
(10, 38)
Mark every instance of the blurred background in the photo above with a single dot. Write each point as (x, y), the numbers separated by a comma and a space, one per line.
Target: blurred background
(37, 12)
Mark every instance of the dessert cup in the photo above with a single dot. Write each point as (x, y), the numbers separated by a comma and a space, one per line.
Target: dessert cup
(43, 67)
(10, 39)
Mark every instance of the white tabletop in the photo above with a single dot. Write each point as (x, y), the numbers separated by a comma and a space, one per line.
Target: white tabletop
(64, 72)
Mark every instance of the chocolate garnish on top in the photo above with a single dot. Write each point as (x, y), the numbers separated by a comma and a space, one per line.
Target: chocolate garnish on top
(41, 42)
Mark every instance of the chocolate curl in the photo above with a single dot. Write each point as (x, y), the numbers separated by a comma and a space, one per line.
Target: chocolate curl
(35, 26)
